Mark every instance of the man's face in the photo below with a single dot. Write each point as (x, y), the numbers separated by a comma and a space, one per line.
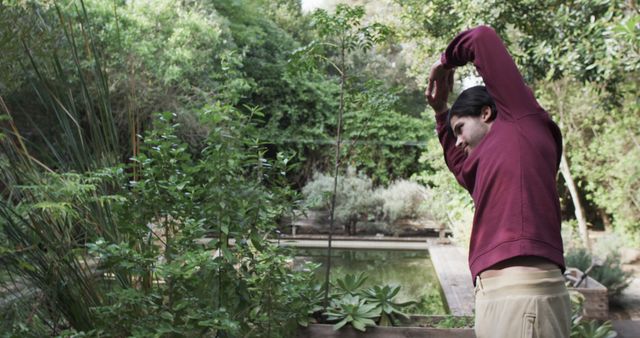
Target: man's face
(469, 131)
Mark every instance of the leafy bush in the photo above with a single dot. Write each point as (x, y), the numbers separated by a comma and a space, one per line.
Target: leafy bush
(578, 258)
(453, 322)
(356, 200)
(385, 143)
(611, 275)
(403, 199)
(164, 280)
(220, 193)
(354, 195)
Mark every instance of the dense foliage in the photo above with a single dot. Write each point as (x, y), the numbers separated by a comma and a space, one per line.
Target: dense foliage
(131, 130)
(100, 187)
(142, 226)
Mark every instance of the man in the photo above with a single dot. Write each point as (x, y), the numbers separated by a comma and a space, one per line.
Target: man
(505, 150)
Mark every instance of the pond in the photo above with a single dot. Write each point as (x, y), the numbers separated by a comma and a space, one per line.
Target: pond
(412, 270)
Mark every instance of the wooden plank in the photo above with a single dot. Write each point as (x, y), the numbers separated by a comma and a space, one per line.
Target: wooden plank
(453, 273)
(326, 331)
(351, 244)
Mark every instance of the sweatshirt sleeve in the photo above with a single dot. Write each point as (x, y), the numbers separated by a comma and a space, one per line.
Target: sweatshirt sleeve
(483, 47)
(453, 156)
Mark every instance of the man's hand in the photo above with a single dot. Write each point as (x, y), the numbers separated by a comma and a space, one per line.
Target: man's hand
(440, 84)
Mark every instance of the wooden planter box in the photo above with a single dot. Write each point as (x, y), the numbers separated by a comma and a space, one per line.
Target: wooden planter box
(596, 301)
(326, 331)
(416, 327)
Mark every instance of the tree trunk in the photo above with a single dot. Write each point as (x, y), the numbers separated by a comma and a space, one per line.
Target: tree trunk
(605, 220)
(579, 211)
(336, 166)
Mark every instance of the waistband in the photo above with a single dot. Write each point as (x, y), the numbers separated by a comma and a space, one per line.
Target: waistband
(529, 283)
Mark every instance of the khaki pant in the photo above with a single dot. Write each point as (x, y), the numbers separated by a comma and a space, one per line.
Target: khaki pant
(523, 304)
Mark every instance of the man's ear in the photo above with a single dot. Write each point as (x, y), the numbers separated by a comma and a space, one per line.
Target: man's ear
(485, 114)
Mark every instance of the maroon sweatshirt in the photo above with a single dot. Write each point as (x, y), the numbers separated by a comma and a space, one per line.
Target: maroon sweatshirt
(511, 174)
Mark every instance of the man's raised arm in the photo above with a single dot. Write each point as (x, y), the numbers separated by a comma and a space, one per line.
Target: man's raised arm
(483, 47)
(440, 84)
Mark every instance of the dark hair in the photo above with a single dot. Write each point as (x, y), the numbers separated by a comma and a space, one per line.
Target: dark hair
(470, 103)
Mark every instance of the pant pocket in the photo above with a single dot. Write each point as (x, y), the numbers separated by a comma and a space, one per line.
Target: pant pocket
(528, 325)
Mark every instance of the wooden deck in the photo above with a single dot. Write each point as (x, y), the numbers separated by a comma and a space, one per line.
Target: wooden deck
(451, 266)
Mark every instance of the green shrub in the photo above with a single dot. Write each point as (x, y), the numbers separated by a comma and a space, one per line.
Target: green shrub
(158, 279)
(356, 200)
(354, 195)
(611, 275)
(578, 258)
(245, 289)
(387, 143)
(454, 322)
(402, 199)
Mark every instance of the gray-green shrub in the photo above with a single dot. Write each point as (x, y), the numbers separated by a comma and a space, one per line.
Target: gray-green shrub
(403, 199)
(356, 200)
(354, 195)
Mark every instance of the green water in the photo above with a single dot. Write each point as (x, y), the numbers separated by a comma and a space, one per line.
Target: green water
(412, 270)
